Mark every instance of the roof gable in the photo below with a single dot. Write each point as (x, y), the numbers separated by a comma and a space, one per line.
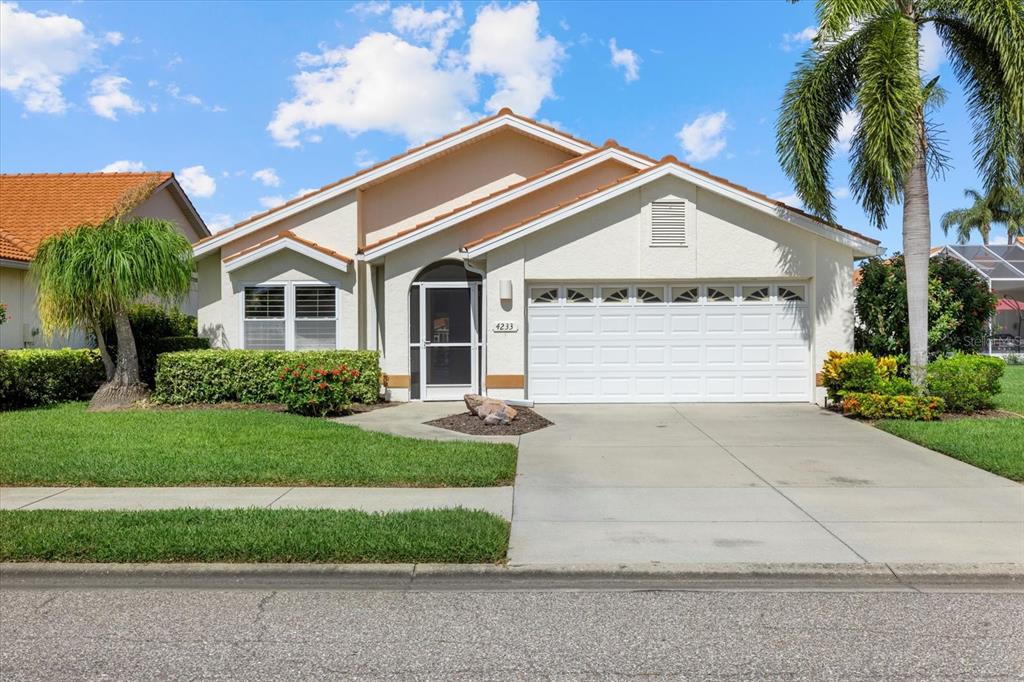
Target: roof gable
(290, 241)
(504, 119)
(864, 245)
(34, 206)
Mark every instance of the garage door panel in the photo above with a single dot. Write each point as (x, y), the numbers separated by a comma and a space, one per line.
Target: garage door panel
(723, 351)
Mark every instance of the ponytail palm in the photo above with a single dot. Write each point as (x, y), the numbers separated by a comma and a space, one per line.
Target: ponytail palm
(866, 59)
(90, 276)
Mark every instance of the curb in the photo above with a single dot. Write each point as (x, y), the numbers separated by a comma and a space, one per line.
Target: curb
(515, 577)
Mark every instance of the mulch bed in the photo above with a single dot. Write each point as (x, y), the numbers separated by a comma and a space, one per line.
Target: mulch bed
(465, 422)
(357, 408)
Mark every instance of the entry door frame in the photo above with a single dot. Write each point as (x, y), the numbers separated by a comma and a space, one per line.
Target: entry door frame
(450, 391)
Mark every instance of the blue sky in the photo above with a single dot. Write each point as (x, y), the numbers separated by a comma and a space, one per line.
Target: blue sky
(253, 103)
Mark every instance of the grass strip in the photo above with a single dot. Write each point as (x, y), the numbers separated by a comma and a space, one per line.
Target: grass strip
(66, 446)
(253, 536)
(995, 445)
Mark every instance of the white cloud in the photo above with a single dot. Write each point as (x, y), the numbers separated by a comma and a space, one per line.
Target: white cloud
(195, 181)
(114, 38)
(841, 192)
(124, 166)
(505, 42)
(37, 52)
(372, 8)
(703, 138)
(933, 54)
(175, 91)
(412, 86)
(107, 97)
(435, 27)
(381, 83)
(798, 39)
(272, 202)
(625, 59)
(174, 61)
(791, 199)
(364, 158)
(305, 190)
(219, 221)
(267, 176)
(847, 128)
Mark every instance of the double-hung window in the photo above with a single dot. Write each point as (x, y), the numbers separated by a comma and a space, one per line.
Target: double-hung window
(290, 316)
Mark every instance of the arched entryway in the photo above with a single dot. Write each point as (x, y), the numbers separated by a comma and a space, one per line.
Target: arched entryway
(444, 332)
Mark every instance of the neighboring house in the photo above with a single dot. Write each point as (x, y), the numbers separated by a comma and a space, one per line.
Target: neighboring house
(34, 206)
(1002, 268)
(516, 260)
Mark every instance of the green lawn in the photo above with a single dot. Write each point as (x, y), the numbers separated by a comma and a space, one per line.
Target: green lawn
(996, 445)
(253, 535)
(65, 445)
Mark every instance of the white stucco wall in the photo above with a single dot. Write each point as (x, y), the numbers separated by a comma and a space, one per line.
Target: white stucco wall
(23, 328)
(220, 293)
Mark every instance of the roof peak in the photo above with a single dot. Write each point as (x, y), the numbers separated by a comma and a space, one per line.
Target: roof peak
(94, 174)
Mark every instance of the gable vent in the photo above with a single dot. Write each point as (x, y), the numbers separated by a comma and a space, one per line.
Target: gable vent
(668, 223)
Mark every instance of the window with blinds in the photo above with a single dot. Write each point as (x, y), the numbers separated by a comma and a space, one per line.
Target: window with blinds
(668, 223)
(315, 318)
(264, 318)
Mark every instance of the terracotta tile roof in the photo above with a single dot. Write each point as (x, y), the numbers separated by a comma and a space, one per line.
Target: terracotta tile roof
(668, 160)
(504, 190)
(1020, 240)
(407, 152)
(34, 206)
(288, 234)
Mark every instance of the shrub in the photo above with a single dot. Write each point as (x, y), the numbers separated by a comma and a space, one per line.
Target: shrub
(880, 406)
(151, 325)
(959, 307)
(864, 373)
(316, 392)
(42, 377)
(251, 376)
(171, 344)
(967, 383)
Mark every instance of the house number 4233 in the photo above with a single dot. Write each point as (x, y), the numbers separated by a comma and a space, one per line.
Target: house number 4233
(504, 327)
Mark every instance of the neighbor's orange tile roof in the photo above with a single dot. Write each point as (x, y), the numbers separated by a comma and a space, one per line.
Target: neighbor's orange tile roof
(412, 150)
(34, 206)
(667, 160)
(288, 234)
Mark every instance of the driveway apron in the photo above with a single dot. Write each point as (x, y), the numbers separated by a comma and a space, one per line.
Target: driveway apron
(749, 483)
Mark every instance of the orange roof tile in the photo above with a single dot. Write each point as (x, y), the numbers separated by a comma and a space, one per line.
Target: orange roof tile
(412, 150)
(34, 206)
(667, 160)
(1020, 240)
(288, 234)
(503, 190)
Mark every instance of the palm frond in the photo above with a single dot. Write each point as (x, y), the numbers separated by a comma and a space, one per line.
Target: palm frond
(839, 17)
(890, 100)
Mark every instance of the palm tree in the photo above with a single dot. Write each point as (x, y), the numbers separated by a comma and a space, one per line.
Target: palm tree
(866, 59)
(90, 276)
(1005, 206)
(977, 217)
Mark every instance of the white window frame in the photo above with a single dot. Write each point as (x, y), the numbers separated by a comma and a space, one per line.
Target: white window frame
(289, 308)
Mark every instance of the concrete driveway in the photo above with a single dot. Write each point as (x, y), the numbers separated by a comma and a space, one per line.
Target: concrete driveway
(705, 483)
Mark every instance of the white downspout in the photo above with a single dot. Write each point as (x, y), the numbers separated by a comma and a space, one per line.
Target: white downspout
(483, 322)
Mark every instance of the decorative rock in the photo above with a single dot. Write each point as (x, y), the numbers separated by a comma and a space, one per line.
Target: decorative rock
(499, 407)
(500, 418)
(473, 401)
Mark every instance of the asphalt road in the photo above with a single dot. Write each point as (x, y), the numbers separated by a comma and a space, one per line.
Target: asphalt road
(53, 634)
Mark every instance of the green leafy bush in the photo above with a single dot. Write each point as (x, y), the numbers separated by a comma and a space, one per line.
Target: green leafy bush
(171, 344)
(967, 383)
(959, 307)
(881, 406)
(897, 386)
(42, 377)
(251, 376)
(151, 326)
(316, 392)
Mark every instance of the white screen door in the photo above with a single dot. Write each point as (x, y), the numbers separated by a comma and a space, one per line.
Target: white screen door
(449, 340)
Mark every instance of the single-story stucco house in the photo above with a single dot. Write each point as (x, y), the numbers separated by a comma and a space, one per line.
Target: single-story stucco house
(516, 260)
(34, 206)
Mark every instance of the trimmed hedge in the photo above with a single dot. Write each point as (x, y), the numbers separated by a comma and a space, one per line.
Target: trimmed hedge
(967, 383)
(251, 376)
(881, 406)
(39, 376)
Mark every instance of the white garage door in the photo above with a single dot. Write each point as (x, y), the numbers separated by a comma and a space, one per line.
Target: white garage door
(668, 343)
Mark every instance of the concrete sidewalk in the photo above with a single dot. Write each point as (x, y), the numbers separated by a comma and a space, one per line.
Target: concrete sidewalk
(496, 500)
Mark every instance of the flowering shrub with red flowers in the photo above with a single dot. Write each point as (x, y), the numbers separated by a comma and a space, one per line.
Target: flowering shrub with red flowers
(317, 392)
(880, 406)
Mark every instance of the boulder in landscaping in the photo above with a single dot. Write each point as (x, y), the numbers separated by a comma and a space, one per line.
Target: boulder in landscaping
(473, 401)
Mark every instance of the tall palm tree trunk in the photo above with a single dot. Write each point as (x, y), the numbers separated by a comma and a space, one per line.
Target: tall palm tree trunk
(916, 244)
(126, 386)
